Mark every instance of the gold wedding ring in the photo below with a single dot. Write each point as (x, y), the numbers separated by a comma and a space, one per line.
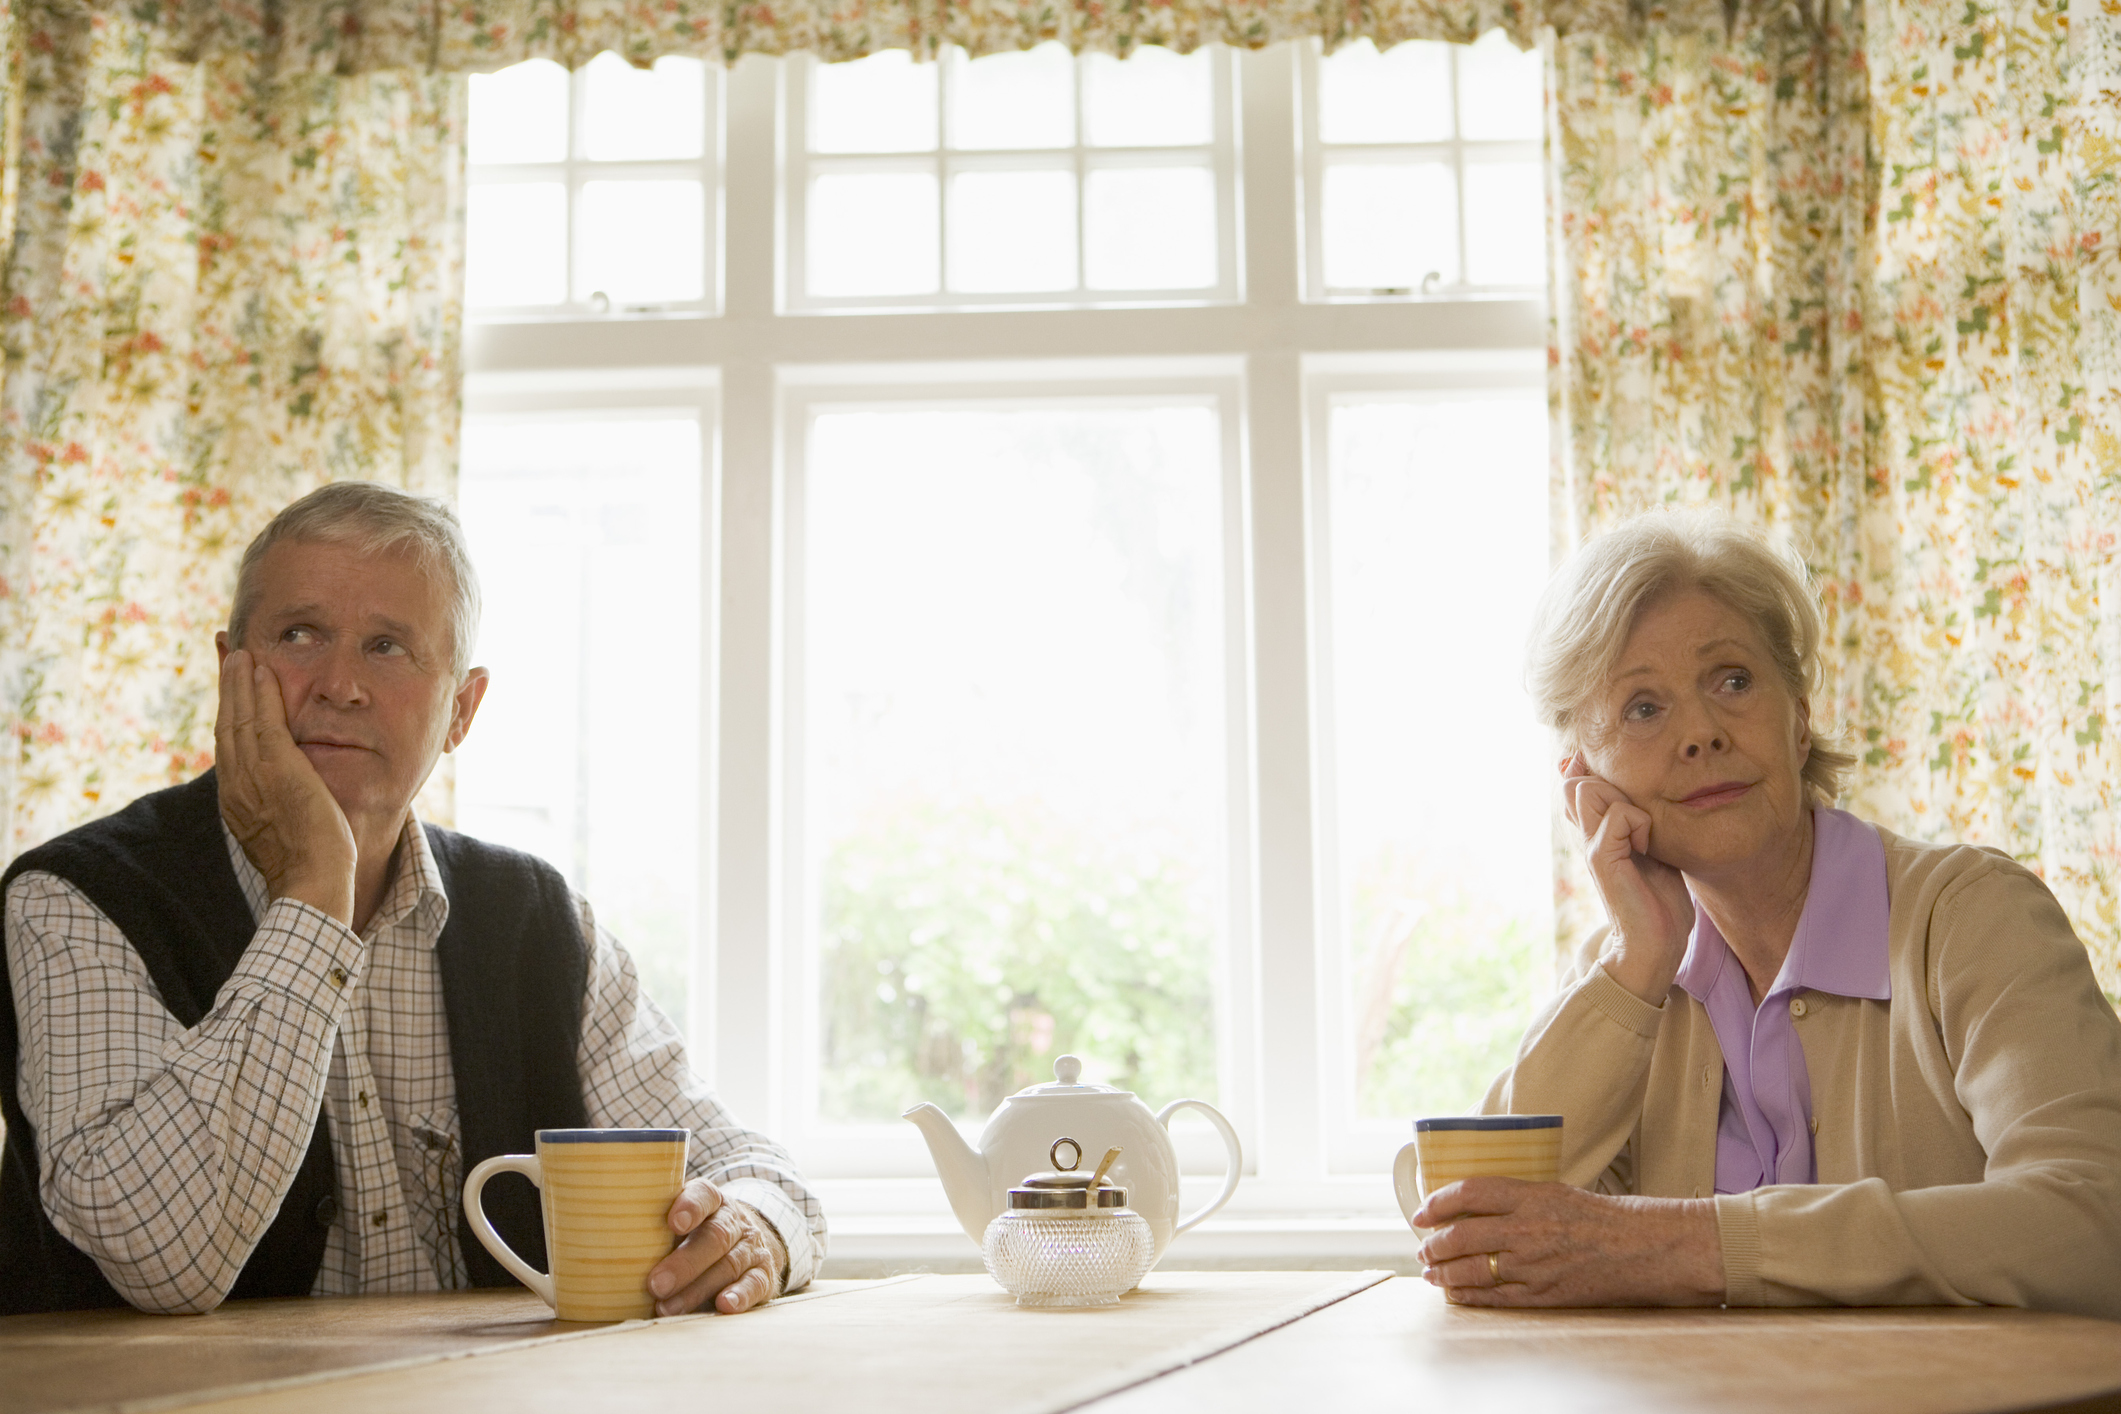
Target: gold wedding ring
(1494, 1271)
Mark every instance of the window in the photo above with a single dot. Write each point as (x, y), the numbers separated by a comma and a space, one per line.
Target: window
(1437, 905)
(593, 191)
(1423, 164)
(1062, 643)
(585, 526)
(1020, 179)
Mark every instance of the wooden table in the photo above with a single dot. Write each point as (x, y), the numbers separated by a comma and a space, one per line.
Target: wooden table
(1303, 1341)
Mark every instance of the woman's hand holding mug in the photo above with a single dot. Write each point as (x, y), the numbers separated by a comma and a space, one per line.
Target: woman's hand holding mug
(1652, 914)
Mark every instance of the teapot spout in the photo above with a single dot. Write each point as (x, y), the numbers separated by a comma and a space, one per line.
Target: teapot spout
(962, 1170)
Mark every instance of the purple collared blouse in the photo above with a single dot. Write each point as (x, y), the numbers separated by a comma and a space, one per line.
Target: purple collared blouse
(1764, 1130)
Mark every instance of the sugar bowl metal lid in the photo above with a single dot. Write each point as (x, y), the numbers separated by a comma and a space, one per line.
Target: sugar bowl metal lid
(1063, 1188)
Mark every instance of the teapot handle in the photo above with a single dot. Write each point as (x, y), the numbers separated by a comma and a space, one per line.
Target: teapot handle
(1237, 1157)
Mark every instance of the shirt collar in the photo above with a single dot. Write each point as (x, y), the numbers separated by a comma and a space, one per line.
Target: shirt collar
(1842, 943)
(417, 885)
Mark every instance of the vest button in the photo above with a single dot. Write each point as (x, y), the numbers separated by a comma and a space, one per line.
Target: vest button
(327, 1211)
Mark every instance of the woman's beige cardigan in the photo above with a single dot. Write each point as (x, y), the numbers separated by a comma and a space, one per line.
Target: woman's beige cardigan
(1968, 1132)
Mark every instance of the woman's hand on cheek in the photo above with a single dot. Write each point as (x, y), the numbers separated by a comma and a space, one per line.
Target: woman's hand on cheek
(1646, 899)
(1554, 1245)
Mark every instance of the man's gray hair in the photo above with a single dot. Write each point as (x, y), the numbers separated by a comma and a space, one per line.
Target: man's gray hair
(374, 519)
(1593, 602)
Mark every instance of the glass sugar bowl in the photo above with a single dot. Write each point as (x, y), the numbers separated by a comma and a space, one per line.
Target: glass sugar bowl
(1068, 1238)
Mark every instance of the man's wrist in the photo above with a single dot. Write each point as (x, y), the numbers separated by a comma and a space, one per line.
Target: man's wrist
(325, 892)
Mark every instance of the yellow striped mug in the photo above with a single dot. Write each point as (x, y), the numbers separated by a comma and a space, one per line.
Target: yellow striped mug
(1451, 1147)
(607, 1196)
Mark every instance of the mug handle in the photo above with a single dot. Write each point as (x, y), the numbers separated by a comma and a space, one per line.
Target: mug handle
(1406, 1181)
(1237, 1157)
(475, 1214)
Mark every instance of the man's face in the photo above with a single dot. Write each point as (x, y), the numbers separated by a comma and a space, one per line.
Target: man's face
(362, 647)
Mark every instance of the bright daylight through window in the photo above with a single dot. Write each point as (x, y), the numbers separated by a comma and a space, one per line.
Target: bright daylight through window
(995, 557)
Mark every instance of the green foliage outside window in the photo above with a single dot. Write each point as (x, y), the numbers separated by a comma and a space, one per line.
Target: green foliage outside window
(1443, 984)
(965, 946)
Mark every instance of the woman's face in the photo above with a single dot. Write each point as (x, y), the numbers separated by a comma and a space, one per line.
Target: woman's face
(1699, 730)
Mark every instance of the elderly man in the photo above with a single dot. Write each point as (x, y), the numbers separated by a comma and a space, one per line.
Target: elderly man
(261, 1024)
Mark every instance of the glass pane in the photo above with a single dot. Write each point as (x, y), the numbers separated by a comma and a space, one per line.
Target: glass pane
(884, 103)
(1150, 228)
(1012, 231)
(1013, 100)
(1013, 679)
(587, 539)
(1152, 98)
(1506, 229)
(1442, 775)
(1500, 90)
(518, 114)
(515, 244)
(639, 115)
(1401, 95)
(1388, 228)
(872, 234)
(643, 241)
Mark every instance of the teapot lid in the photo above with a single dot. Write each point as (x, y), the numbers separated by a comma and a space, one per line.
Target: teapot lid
(1067, 1080)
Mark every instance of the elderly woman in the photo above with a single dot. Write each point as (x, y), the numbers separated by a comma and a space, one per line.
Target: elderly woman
(1809, 1061)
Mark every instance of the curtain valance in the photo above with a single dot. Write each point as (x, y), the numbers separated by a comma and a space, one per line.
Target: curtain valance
(287, 37)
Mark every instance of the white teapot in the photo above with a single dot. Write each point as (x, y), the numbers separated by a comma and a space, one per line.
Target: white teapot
(1098, 1117)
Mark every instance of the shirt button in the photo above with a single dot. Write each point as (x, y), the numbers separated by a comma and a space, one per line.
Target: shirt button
(327, 1211)
(338, 977)
(380, 1218)
(1797, 1006)
(1815, 1124)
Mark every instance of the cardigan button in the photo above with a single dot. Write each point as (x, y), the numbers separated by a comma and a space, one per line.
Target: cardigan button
(327, 1211)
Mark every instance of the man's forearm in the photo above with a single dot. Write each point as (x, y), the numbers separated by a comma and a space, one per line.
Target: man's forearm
(163, 1153)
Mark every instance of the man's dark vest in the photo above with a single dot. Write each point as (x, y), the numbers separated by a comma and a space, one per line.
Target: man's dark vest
(514, 971)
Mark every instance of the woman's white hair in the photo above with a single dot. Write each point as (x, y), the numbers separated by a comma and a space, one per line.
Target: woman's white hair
(376, 520)
(1595, 599)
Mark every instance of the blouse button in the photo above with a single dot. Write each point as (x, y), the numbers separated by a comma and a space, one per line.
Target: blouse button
(338, 977)
(1797, 1006)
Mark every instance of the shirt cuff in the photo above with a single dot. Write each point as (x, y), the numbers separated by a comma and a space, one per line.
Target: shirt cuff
(304, 953)
(779, 1209)
(1620, 1005)
(1738, 1230)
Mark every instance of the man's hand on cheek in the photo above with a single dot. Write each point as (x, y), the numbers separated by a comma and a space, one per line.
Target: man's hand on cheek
(729, 1255)
(272, 798)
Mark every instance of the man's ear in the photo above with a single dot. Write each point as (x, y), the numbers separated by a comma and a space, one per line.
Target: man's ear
(470, 693)
(222, 647)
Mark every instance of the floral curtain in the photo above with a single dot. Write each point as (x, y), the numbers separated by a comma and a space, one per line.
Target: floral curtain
(1850, 270)
(225, 285)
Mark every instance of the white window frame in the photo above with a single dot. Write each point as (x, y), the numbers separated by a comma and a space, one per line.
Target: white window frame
(1080, 159)
(1297, 1201)
(576, 170)
(1452, 152)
